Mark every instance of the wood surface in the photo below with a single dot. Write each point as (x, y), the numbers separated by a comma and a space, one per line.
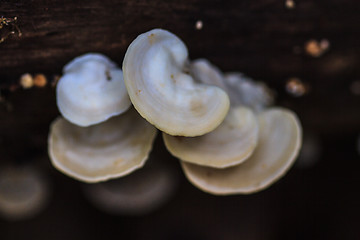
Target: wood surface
(263, 39)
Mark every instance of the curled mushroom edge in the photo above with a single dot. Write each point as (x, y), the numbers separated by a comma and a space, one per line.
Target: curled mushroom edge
(216, 124)
(231, 143)
(162, 90)
(101, 152)
(280, 139)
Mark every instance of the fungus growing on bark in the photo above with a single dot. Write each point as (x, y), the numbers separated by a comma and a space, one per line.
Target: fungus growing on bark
(91, 90)
(100, 152)
(279, 143)
(162, 90)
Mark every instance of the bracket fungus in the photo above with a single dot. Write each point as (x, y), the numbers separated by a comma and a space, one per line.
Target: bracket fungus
(107, 150)
(279, 143)
(139, 193)
(244, 91)
(240, 89)
(162, 91)
(204, 72)
(217, 124)
(91, 90)
(229, 144)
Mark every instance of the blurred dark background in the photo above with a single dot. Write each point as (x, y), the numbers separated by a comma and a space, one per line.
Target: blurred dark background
(317, 43)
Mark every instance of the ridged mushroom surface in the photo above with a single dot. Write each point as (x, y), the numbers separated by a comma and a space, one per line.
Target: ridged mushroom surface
(162, 90)
(229, 144)
(280, 137)
(100, 152)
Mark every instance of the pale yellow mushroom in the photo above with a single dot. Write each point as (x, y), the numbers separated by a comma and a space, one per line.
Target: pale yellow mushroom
(91, 90)
(24, 193)
(163, 92)
(107, 150)
(280, 137)
(229, 144)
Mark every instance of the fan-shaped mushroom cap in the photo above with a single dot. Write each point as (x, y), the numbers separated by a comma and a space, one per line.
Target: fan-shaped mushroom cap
(91, 90)
(164, 93)
(229, 144)
(241, 89)
(245, 91)
(97, 153)
(138, 193)
(204, 72)
(279, 143)
(23, 193)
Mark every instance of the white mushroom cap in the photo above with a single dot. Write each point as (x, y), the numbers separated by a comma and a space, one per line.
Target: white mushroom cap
(164, 93)
(241, 89)
(229, 144)
(245, 91)
(91, 90)
(204, 72)
(23, 193)
(97, 153)
(139, 193)
(279, 143)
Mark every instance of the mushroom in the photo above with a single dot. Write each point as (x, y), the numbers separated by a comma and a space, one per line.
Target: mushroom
(229, 144)
(23, 193)
(205, 72)
(142, 192)
(91, 90)
(279, 144)
(107, 150)
(243, 90)
(162, 91)
(240, 89)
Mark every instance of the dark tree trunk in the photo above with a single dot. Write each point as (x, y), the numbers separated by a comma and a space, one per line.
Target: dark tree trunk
(263, 39)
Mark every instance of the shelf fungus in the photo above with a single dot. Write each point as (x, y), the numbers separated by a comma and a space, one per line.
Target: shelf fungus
(229, 144)
(268, 140)
(279, 144)
(91, 90)
(244, 91)
(162, 90)
(100, 152)
(219, 125)
(240, 89)
(139, 193)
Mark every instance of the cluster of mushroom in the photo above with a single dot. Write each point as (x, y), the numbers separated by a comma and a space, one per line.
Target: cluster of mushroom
(218, 125)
